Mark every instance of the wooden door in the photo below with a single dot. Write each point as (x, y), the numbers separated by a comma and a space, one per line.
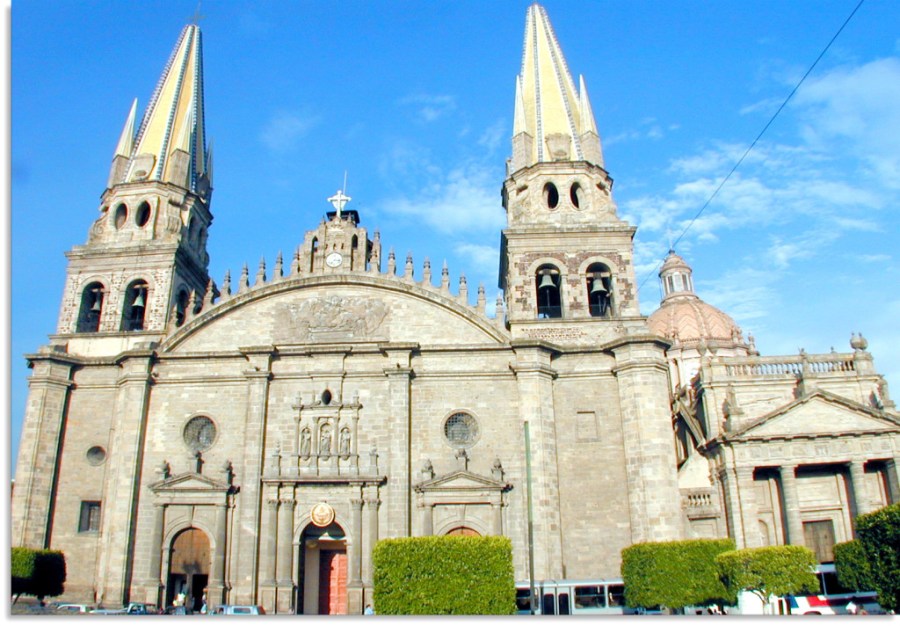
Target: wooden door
(820, 539)
(333, 582)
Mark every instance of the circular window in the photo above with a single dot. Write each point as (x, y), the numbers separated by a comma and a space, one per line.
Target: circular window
(121, 215)
(96, 455)
(143, 214)
(199, 433)
(461, 430)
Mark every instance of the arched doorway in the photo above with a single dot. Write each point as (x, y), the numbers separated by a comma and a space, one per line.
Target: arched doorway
(189, 561)
(323, 571)
(464, 531)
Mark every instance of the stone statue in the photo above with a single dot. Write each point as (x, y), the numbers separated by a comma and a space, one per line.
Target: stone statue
(325, 441)
(345, 442)
(305, 438)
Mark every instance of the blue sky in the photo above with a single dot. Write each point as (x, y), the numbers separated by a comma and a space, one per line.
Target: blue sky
(414, 100)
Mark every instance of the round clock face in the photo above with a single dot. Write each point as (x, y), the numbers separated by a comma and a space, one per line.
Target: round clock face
(334, 259)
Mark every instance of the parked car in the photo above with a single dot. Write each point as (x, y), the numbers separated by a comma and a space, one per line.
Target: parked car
(133, 608)
(73, 608)
(239, 609)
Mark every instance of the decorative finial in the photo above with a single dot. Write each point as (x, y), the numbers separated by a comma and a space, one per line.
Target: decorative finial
(196, 17)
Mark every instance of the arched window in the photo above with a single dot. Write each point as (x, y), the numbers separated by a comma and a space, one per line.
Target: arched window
(599, 290)
(312, 254)
(547, 284)
(120, 216)
(91, 309)
(143, 214)
(354, 244)
(181, 307)
(135, 306)
(551, 196)
(575, 195)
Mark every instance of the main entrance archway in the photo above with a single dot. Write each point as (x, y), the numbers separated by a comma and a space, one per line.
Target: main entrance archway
(323, 571)
(189, 561)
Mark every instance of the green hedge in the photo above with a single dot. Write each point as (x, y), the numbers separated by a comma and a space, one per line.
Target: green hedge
(674, 574)
(773, 570)
(448, 575)
(852, 566)
(39, 573)
(879, 534)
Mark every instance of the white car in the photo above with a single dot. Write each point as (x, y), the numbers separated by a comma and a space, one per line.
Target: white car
(73, 608)
(239, 609)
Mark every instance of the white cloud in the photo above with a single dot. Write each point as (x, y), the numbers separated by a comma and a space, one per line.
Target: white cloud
(485, 257)
(430, 107)
(285, 128)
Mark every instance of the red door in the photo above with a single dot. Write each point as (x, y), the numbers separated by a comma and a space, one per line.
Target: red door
(332, 582)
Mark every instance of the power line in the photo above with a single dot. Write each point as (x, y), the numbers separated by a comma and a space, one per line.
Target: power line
(752, 145)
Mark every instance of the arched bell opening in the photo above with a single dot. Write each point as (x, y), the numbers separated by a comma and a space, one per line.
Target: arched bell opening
(323, 571)
(599, 290)
(92, 300)
(189, 565)
(135, 306)
(547, 284)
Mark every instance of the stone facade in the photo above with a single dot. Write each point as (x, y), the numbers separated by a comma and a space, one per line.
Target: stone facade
(257, 440)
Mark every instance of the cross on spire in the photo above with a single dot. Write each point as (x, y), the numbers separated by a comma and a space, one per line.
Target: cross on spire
(196, 17)
(339, 200)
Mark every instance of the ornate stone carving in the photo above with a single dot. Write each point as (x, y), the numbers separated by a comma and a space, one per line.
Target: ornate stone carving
(330, 318)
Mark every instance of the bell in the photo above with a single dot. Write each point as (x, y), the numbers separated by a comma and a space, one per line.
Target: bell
(139, 301)
(546, 281)
(98, 297)
(598, 287)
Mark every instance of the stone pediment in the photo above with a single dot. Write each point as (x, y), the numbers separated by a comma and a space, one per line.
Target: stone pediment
(819, 414)
(462, 480)
(190, 482)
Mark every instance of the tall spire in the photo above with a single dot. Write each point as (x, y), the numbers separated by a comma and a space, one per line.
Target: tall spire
(171, 144)
(553, 119)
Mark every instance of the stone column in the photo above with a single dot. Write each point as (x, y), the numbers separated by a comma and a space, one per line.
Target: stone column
(793, 521)
(122, 491)
(534, 379)
(285, 591)
(285, 541)
(497, 510)
(651, 473)
(372, 505)
(399, 473)
(427, 519)
(155, 583)
(858, 487)
(356, 550)
(893, 480)
(269, 552)
(728, 479)
(749, 510)
(216, 587)
(247, 530)
(45, 417)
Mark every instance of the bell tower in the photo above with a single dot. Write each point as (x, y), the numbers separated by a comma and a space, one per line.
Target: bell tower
(565, 255)
(145, 260)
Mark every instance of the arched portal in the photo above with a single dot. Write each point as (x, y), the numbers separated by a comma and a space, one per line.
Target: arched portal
(323, 571)
(464, 531)
(189, 562)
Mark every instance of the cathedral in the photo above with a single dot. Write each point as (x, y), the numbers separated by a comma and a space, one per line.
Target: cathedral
(253, 440)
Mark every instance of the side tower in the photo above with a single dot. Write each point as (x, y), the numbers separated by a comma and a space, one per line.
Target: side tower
(145, 260)
(565, 255)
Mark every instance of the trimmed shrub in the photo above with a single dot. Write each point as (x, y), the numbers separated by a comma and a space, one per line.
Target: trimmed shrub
(879, 534)
(39, 573)
(852, 566)
(772, 570)
(447, 575)
(674, 574)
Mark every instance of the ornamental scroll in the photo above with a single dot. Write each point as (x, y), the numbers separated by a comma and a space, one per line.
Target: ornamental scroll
(332, 318)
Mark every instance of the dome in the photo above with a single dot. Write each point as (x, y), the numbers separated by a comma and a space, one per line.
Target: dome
(683, 316)
(689, 319)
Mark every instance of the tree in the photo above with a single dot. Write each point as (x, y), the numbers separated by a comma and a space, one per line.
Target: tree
(768, 571)
(852, 566)
(674, 574)
(879, 534)
(38, 573)
(447, 575)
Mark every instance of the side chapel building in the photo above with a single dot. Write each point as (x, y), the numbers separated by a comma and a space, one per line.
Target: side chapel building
(257, 439)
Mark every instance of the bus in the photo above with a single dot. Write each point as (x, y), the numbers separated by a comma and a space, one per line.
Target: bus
(574, 597)
(832, 598)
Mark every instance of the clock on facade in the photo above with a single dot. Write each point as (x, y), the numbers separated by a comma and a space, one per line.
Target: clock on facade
(334, 259)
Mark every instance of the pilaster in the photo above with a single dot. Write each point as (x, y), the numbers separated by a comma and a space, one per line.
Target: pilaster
(793, 522)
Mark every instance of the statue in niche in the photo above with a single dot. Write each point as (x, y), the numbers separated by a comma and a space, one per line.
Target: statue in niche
(325, 441)
(345, 442)
(305, 440)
